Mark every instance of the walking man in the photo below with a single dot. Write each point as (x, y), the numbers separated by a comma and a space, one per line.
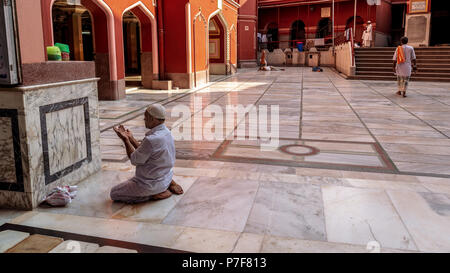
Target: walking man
(154, 159)
(404, 63)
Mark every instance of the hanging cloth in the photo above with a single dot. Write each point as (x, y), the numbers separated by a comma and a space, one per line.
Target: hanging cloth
(400, 55)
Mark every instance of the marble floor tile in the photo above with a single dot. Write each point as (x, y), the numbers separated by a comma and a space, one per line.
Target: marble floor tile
(284, 209)
(93, 196)
(36, 244)
(180, 171)
(372, 219)
(346, 159)
(128, 231)
(206, 241)
(276, 244)
(10, 238)
(7, 214)
(215, 203)
(154, 211)
(249, 243)
(429, 228)
(437, 185)
(387, 185)
(423, 168)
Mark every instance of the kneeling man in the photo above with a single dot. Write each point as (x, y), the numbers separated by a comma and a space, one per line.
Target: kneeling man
(154, 159)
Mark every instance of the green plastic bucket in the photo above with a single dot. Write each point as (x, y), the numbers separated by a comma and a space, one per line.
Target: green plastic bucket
(54, 53)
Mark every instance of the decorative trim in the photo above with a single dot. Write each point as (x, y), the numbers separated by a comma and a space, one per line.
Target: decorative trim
(388, 166)
(18, 186)
(312, 150)
(49, 178)
(217, 54)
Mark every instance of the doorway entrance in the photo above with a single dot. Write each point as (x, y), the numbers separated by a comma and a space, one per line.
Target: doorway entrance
(398, 23)
(440, 15)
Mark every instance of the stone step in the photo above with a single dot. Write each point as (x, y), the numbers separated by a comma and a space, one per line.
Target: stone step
(393, 78)
(435, 48)
(389, 69)
(389, 73)
(430, 58)
(389, 60)
(388, 65)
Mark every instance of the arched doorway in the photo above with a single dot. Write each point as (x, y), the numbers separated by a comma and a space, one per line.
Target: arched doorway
(359, 27)
(272, 37)
(139, 46)
(217, 48)
(72, 25)
(440, 16)
(297, 32)
(132, 49)
(324, 28)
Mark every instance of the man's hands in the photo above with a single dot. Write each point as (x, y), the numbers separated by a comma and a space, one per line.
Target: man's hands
(126, 136)
(122, 132)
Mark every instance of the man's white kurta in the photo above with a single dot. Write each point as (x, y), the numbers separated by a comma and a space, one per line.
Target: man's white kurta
(405, 69)
(367, 35)
(154, 160)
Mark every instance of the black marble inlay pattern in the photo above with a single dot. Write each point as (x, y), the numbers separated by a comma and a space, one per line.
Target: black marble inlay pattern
(49, 177)
(18, 186)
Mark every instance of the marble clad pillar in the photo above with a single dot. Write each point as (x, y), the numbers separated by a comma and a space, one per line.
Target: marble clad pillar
(49, 136)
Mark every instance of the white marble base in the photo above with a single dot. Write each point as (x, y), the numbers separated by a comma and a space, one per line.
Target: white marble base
(58, 132)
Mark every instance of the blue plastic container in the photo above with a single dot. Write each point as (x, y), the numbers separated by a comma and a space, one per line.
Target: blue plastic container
(300, 46)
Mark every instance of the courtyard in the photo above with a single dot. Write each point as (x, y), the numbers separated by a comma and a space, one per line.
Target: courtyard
(357, 168)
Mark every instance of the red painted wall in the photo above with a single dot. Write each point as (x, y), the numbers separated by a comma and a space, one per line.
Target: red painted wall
(175, 36)
(286, 16)
(247, 29)
(384, 17)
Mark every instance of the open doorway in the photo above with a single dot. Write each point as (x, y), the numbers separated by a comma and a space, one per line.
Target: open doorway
(272, 37)
(217, 32)
(440, 16)
(398, 23)
(324, 28)
(72, 25)
(132, 49)
(297, 33)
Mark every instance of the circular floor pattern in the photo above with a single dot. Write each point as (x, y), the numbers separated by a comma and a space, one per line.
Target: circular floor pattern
(299, 150)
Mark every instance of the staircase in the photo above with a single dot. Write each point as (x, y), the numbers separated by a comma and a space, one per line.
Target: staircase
(376, 64)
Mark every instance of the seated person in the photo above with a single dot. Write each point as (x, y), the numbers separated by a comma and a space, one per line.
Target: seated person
(154, 159)
(263, 64)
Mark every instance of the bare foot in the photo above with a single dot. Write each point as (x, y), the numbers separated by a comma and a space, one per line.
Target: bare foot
(175, 188)
(161, 196)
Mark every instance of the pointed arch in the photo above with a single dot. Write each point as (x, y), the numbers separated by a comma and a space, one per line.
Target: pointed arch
(142, 7)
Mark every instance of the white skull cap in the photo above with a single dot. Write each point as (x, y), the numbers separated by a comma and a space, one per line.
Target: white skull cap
(157, 111)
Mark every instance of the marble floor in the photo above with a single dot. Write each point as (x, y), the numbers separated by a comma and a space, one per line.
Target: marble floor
(356, 168)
